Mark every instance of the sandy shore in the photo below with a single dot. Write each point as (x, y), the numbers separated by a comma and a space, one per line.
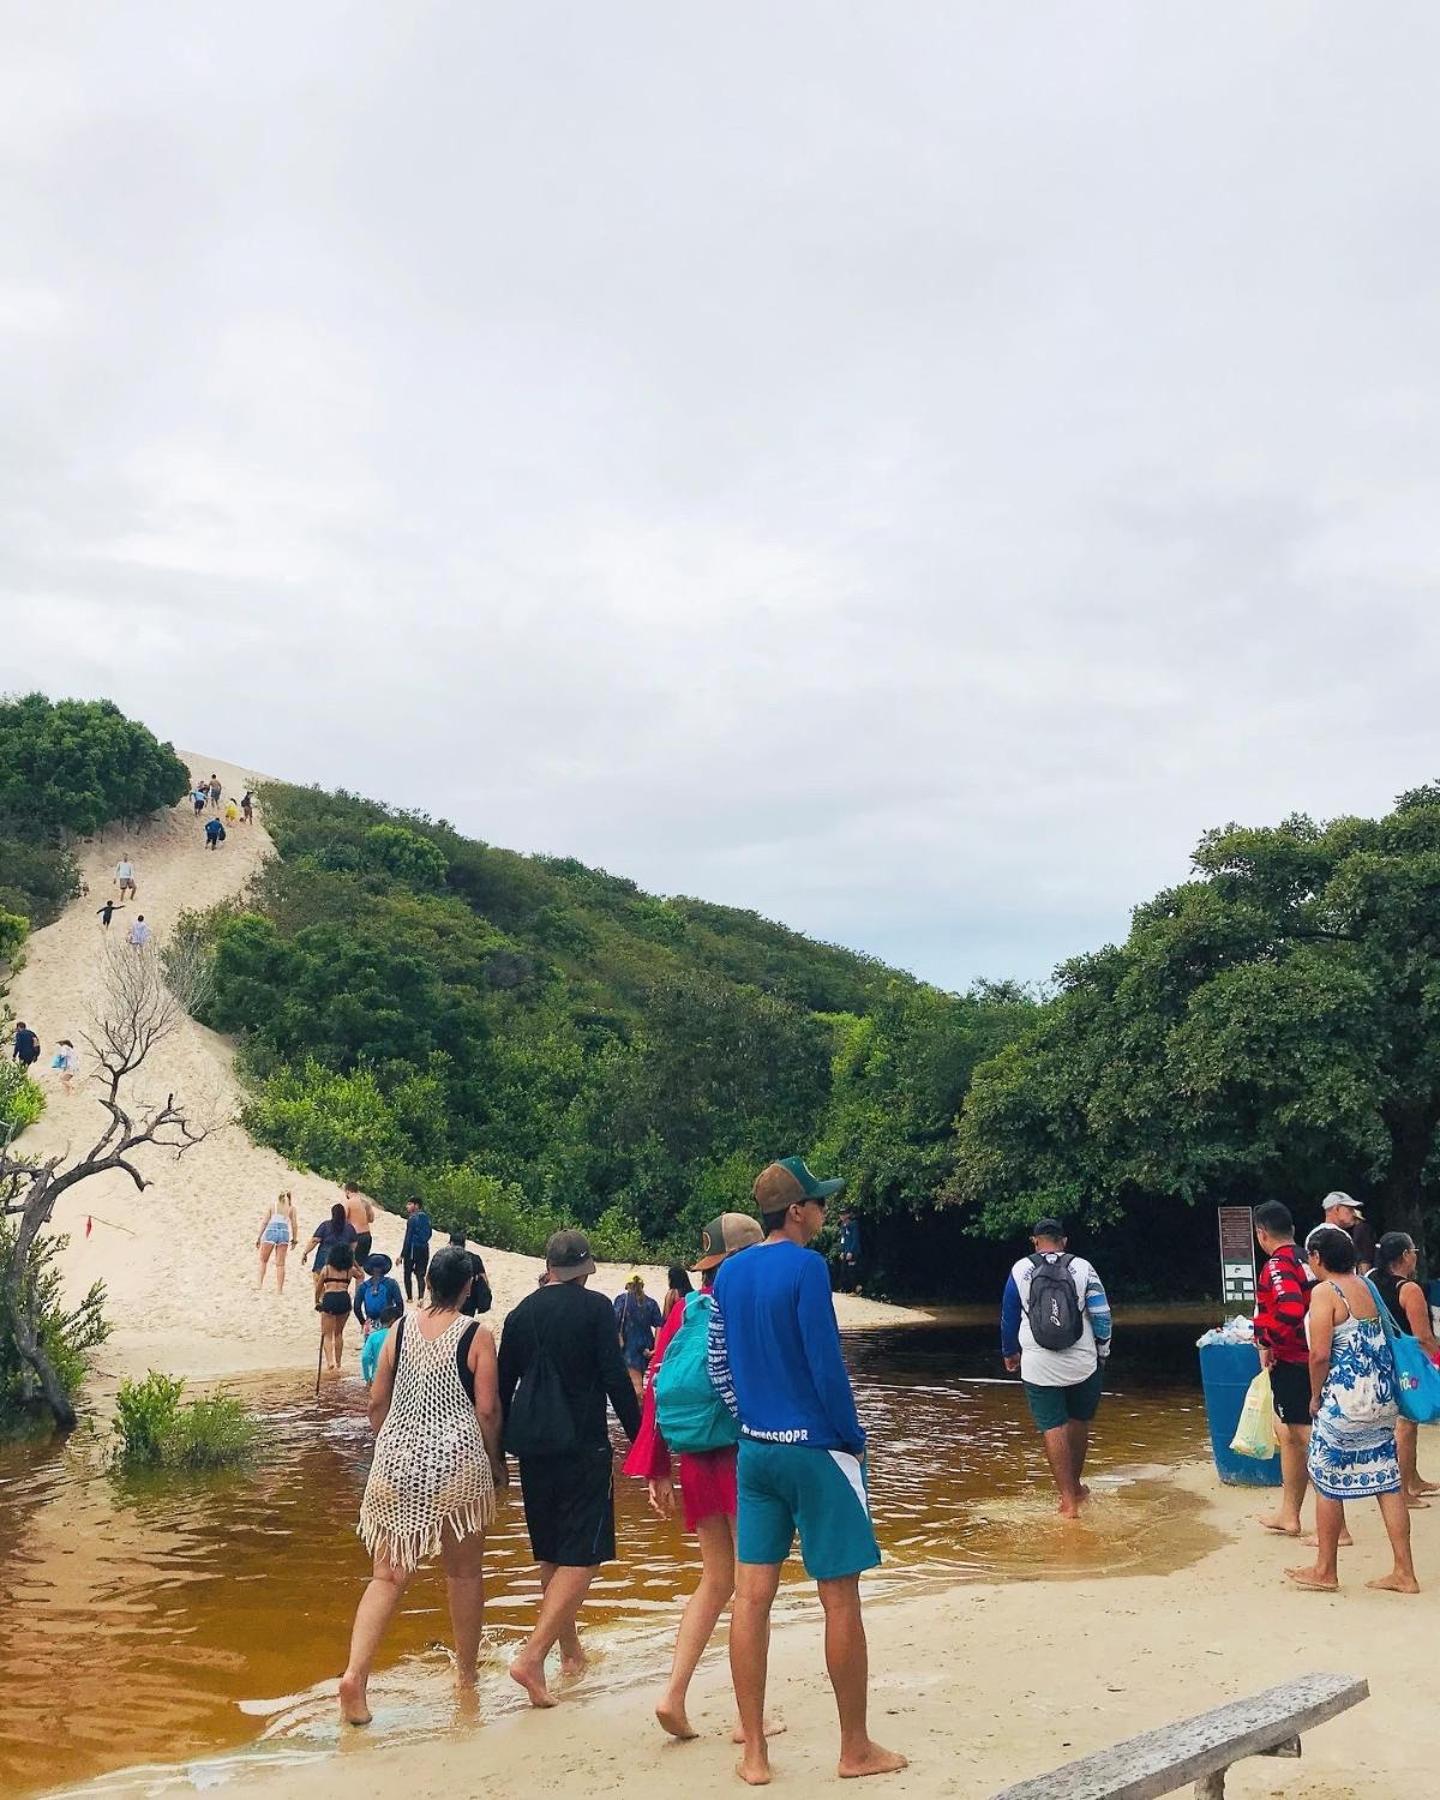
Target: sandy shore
(204, 1211)
(982, 1685)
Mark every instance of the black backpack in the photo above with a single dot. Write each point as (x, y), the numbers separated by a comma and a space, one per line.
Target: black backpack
(540, 1422)
(1057, 1318)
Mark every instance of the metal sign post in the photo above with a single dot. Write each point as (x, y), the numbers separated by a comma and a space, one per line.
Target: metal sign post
(1237, 1257)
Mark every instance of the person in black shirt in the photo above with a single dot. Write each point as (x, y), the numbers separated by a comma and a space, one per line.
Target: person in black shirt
(479, 1299)
(27, 1046)
(560, 1352)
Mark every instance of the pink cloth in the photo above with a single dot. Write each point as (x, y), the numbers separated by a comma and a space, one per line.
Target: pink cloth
(706, 1477)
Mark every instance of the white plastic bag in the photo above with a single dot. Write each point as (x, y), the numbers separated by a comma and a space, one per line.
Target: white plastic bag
(1255, 1434)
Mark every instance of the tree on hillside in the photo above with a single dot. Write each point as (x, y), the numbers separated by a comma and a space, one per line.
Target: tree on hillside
(1271, 1027)
(143, 998)
(74, 765)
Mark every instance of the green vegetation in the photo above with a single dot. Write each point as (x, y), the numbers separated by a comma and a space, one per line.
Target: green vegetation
(1270, 1029)
(524, 1041)
(69, 1337)
(21, 1100)
(67, 768)
(155, 1429)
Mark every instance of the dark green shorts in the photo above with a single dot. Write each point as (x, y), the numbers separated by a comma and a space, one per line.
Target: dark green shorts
(1054, 1406)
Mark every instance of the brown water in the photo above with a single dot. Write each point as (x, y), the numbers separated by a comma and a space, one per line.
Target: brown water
(167, 1623)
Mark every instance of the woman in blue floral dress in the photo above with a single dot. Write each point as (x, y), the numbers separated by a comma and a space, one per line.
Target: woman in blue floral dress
(1353, 1408)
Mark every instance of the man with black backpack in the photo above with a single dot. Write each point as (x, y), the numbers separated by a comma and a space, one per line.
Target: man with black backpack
(1055, 1329)
(559, 1359)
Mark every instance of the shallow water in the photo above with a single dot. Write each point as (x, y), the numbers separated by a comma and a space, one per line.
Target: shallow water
(148, 1622)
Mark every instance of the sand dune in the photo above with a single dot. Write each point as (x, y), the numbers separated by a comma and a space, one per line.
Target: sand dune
(178, 1259)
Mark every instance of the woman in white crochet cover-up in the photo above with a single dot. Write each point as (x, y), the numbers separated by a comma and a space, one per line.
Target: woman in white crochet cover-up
(436, 1408)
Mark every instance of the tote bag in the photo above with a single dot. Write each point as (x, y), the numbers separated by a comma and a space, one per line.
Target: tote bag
(1417, 1380)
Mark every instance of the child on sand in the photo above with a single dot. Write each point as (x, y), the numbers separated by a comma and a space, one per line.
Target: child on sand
(67, 1061)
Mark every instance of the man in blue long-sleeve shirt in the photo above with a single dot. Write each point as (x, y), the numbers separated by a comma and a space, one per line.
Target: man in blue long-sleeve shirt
(415, 1250)
(775, 1360)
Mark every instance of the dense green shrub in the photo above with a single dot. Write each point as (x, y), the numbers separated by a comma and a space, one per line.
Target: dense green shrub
(75, 765)
(14, 929)
(21, 1100)
(155, 1429)
(525, 1042)
(69, 1336)
(70, 766)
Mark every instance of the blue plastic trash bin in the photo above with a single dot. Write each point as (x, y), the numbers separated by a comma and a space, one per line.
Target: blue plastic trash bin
(1226, 1371)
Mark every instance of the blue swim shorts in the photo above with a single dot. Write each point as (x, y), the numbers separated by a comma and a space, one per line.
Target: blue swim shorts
(785, 1488)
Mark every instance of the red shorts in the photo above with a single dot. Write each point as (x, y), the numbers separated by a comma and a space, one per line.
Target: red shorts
(707, 1484)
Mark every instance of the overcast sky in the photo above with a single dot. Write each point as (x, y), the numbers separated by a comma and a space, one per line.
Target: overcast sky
(905, 468)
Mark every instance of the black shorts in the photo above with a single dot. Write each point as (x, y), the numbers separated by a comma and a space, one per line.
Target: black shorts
(570, 1507)
(1290, 1385)
(362, 1248)
(334, 1303)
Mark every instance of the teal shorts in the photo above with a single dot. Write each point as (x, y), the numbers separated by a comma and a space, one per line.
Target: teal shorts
(822, 1494)
(1054, 1406)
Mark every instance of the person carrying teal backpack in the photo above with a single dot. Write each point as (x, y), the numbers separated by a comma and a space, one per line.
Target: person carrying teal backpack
(682, 1413)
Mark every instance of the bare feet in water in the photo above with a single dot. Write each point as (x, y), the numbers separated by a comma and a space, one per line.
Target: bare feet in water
(872, 1760)
(353, 1709)
(531, 1677)
(1395, 1584)
(574, 1665)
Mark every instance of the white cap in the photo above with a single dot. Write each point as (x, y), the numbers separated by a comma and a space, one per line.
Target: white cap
(1336, 1198)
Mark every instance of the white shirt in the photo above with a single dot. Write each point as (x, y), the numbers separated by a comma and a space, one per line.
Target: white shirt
(140, 933)
(1056, 1368)
(124, 871)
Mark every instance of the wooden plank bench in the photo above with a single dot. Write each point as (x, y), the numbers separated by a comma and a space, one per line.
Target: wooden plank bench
(1199, 1749)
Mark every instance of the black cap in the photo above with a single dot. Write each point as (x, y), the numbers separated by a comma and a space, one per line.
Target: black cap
(1047, 1228)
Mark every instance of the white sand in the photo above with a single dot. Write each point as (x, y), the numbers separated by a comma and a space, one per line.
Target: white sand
(984, 1684)
(157, 1251)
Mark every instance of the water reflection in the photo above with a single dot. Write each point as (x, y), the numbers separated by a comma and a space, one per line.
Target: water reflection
(153, 1620)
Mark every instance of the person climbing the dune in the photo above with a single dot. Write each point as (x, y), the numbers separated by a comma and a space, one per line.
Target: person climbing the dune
(214, 833)
(247, 807)
(27, 1047)
(125, 877)
(139, 934)
(107, 912)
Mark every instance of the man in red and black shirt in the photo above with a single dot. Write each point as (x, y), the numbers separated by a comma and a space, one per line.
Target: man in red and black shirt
(1282, 1299)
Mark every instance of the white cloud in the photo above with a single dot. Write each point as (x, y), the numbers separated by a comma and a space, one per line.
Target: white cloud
(906, 469)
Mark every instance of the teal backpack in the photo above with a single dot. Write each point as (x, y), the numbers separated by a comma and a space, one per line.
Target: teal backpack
(691, 1415)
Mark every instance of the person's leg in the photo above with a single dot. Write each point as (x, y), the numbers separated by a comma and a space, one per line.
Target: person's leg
(1329, 1522)
(637, 1380)
(847, 1661)
(573, 1660)
(1401, 1579)
(1294, 1442)
(1079, 1432)
(560, 1603)
(341, 1320)
(377, 1608)
(699, 1619)
(1407, 1440)
(755, 1588)
(265, 1249)
(281, 1251)
(464, 1562)
(1059, 1455)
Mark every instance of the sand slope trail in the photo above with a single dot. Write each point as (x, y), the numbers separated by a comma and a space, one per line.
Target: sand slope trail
(178, 1259)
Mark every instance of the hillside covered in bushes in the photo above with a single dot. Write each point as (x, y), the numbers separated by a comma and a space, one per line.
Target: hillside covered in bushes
(523, 1040)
